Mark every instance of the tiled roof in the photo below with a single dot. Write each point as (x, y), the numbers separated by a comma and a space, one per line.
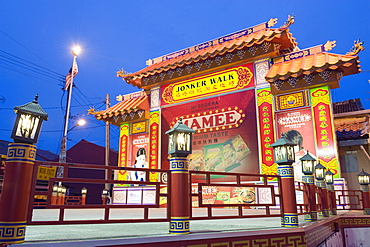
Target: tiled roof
(280, 36)
(347, 106)
(313, 63)
(352, 128)
(123, 107)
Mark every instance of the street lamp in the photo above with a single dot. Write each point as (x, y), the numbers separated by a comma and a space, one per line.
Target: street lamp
(283, 151)
(69, 85)
(16, 189)
(320, 171)
(308, 164)
(104, 196)
(329, 178)
(80, 122)
(308, 167)
(179, 147)
(364, 180)
(83, 196)
(179, 140)
(28, 123)
(284, 156)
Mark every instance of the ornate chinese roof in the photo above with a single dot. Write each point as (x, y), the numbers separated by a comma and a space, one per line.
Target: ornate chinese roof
(303, 66)
(250, 39)
(126, 110)
(351, 121)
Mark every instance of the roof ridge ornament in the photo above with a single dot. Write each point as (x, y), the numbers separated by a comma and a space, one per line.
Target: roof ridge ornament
(272, 22)
(356, 48)
(289, 22)
(329, 45)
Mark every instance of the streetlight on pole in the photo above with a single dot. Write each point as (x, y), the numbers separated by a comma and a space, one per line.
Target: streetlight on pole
(68, 86)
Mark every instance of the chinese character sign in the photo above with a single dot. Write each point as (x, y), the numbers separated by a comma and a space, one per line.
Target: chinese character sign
(266, 130)
(325, 140)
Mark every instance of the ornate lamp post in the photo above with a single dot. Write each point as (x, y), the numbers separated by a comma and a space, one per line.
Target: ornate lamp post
(284, 156)
(54, 195)
(104, 196)
(179, 147)
(364, 180)
(83, 196)
(308, 167)
(329, 177)
(320, 182)
(18, 172)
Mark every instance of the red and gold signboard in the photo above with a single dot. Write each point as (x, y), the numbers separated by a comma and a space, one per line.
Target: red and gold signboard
(226, 132)
(154, 144)
(207, 85)
(124, 137)
(266, 130)
(297, 126)
(325, 140)
(292, 100)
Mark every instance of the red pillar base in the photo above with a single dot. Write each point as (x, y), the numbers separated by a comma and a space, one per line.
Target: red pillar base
(16, 192)
(180, 196)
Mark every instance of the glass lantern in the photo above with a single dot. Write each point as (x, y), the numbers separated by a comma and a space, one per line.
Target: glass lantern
(320, 171)
(329, 177)
(28, 123)
(308, 164)
(283, 151)
(363, 178)
(180, 140)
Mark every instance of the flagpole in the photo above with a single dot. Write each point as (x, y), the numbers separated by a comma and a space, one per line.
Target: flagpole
(63, 146)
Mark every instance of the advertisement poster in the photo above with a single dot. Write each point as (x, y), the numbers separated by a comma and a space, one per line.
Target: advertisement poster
(139, 156)
(225, 195)
(226, 133)
(297, 126)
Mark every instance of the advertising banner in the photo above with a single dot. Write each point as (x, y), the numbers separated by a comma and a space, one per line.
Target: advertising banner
(327, 152)
(226, 132)
(139, 154)
(223, 81)
(297, 126)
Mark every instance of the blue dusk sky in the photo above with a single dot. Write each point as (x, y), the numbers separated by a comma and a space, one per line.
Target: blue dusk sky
(36, 38)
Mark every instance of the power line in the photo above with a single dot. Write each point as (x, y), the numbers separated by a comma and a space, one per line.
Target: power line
(27, 48)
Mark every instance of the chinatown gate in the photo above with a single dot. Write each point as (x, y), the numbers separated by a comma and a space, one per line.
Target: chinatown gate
(240, 93)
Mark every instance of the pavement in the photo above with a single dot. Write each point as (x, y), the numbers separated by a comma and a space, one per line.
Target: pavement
(87, 235)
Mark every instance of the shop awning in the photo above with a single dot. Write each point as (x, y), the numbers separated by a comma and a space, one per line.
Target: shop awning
(124, 111)
(280, 36)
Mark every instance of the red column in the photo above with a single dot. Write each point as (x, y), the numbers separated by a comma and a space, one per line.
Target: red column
(333, 202)
(366, 199)
(83, 199)
(180, 196)
(289, 202)
(312, 215)
(324, 198)
(16, 192)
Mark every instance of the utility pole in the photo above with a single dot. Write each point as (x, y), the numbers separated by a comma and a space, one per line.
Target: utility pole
(107, 143)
